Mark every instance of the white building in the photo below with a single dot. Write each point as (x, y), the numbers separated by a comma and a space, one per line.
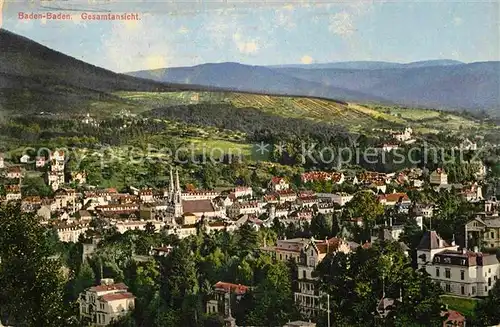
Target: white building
(458, 271)
(25, 159)
(278, 184)
(71, 232)
(339, 198)
(105, 303)
(124, 226)
(2, 162)
(439, 177)
(243, 191)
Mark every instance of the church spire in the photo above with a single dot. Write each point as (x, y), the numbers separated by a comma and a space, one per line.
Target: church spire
(177, 185)
(171, 181)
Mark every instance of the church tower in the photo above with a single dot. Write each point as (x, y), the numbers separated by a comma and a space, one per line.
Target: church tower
(171, 186)
(177, 196)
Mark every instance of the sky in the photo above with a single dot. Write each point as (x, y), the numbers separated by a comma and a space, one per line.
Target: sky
(192, 32)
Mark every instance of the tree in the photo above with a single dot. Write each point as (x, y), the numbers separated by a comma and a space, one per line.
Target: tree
(487, 312)
(178, 276)
(32, 288)
(321, 226)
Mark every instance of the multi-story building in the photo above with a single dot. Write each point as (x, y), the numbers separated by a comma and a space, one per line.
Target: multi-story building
(221, 295)
(458, 271)
(278, 184)
(71, 232)
(439, 177)
(13, 192)
(14, 172)
(484, 230)
(309, 298)
(105, 303)
(288, 249)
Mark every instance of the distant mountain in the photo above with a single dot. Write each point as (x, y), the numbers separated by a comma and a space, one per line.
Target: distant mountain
(238, 77)
(443, 84)
(35, 78)
(466, 86)
(373, 65)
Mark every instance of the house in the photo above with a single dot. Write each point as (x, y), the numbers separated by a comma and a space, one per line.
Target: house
(71, 232)
(320, 176)
(25, 159)
(308, 298)
(468, 145)
(146, 196)
(286, 196)
(161, 251)
(439, 177)
(40, 162)
(287, 249)
(79, 177)
(484, 231)
(105, 303)
(278, 184)
(13, 192)
(221, 293)
(340, 198)
(244, 208)
(457, 270)
(404, 136)
(425, 210)
(57, 155)
(14, 172)
(127, 225)
(55, 179)
(394, 199)
(453, 318)
(194, 195)
(242, 191)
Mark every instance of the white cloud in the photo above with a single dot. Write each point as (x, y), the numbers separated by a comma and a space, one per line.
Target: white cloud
(249, 47)
(183, 30)
(457, 21)
(306, 60)
(137, 48)
(342, 24)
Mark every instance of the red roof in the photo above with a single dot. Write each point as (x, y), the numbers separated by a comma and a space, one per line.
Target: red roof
(234, 288)
(117, 297)
(453, 316)
(112, 287)
(277, 180)
(394, 197)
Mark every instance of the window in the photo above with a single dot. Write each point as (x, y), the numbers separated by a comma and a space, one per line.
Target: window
(463, 262)
(489, 270)
(438, 259)
(448, 288)
(312, 253)
(462, 290)
(304, 274)
(462, 274)
(489, 281)
(447, 260)
(447, 273)
(437, 272)
(473, 290)
(492, 235)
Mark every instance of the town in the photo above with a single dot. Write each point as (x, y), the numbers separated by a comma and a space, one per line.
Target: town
(302, 220)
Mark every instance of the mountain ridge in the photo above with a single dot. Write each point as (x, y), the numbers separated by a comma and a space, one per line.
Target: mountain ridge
(449, 85)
